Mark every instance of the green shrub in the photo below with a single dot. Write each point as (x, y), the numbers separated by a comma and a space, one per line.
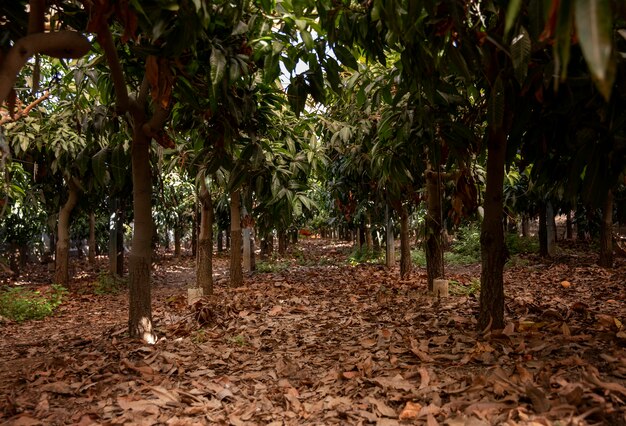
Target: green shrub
(456, 288)
(450, 258)
(364, 256)
(523, 245)
(21, 304)
(109, 284)
(467, 242)
(271, 266)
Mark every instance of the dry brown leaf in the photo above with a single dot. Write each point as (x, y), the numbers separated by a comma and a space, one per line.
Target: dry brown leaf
(277, 309)
(410, 411)
(381, 407)
(397, 382)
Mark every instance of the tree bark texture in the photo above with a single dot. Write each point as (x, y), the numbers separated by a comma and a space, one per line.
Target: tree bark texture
(606, 233)
(433, 245)
(493, 250)
(405, 245)
(140, 298)
(61, 273)
(543, 230)
(204, 259)
(236, 272)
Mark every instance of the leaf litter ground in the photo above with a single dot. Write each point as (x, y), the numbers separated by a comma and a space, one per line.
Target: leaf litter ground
(323, 342)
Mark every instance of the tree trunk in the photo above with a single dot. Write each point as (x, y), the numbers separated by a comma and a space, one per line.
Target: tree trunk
(140, 298)
(390, 249)
(569, 226)
(405, 245)
(543, 230)
(61, 274)
(267, 246)
(369, 242)
(606, 233)
(493, 249)
(92, 238)
(550, 229)
(204, 259)
(282, 242)
(194, 233)
(236, 273)
(220, 241)
(525, 225)
(294, 236)
(178, 231)
(433, 245)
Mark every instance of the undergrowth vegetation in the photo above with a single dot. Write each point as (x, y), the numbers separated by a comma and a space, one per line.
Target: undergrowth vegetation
(109, 284)
(22, 304)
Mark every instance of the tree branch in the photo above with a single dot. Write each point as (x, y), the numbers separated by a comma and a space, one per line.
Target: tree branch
(142, 96)
(156, 122)
(7, 118)
(119, 82)
(36, 16)
(62, 44)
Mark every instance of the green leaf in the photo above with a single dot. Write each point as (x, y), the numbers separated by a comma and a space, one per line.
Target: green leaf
(594, 25)
(241, 28)
(99, 165)
(218, 66)
(511, 14)
(346, 57)
(563, 39)
(307, 39)
(520, 55)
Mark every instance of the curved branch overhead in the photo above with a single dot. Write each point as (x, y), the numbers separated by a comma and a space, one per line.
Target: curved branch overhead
(62, 44)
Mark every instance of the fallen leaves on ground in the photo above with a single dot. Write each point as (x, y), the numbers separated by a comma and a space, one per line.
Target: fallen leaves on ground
(328, 344)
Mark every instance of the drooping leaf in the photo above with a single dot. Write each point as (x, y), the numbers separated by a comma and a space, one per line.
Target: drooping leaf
(99, 165)
(218, 66)
(511, 14)
(346, 57)
(563, 39)
(594, 25)
(520, 55)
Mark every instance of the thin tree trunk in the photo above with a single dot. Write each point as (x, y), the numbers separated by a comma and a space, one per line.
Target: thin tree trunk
(390, 249)
(569, 226)
(525, 225)
(247, 242)
(178, 231)
(140, 298)
(119, 240)
(220, 241)
(433, 245)
(194, 233)
(92, 238)
(61, 274)
(550, 229)
(113, 212)
(282, 242)
(493, 249)
(236, 273)
(543, 230)
(369, 242)
(606, 233)
(204, 268)
(405, 245)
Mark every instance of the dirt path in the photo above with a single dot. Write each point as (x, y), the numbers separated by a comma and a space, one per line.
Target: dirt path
(323, 342)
